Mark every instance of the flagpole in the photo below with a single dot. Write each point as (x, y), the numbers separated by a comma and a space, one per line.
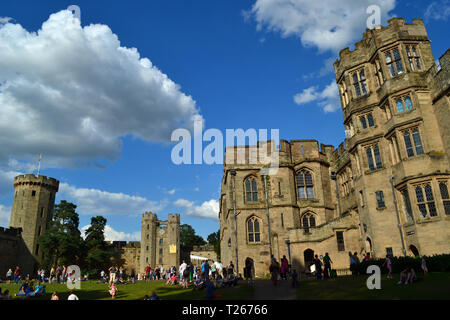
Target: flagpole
(39, 165)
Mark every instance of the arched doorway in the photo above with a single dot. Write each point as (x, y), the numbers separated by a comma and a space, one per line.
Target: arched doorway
(308, 255)
(249, 268)
(414, 250)
(368, 245)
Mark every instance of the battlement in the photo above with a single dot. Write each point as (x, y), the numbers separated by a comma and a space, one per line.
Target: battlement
(15, 232)
(174, 218)
(31, 179)
(149, 215)
(379, 37)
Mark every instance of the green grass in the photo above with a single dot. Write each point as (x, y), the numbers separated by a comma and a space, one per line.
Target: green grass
(435, 286)
(91, 290)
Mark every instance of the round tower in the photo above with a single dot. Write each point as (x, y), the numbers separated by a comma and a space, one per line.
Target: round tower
(34, 199)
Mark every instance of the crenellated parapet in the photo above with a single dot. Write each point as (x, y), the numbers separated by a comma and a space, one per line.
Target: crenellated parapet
(32, 180)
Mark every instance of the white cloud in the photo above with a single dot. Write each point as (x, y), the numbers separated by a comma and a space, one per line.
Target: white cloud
(171, 192)
(208, 209)
(326, 24)
(5, 214)
(4, 20)
(7, 181)
(99, 202)
(327, 99)
(114, 235)
(73, 92)
(438, 10)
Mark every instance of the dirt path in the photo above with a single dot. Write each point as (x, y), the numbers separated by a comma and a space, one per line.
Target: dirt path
(265, 290)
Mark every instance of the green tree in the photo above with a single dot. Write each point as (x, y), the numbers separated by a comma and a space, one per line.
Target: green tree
(62, 242)
(98, 254)
(188, 238)
(214, 240)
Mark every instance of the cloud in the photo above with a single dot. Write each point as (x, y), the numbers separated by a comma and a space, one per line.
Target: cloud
(99, 202)
(5, 214)
(7, 181)
(327, 24)
(327, 99)
(208, 209)
(171, 192)
(4, 20)
(114, 235)
(437, 10)
(74, 92)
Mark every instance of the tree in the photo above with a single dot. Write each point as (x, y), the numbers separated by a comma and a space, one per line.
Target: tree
(61, 243)
(214, 240)
(188, 238)
(98, 253)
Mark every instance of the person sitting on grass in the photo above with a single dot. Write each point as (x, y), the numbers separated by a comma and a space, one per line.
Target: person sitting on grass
(154, 296)
(38, 290)
(219, 282)
(23, 289)
(113, 290)
(408, 276)
(200, 283)
(230, 281)
(55, 296)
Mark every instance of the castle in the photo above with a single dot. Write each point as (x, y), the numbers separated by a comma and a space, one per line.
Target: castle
(383, 191)
(34, 200)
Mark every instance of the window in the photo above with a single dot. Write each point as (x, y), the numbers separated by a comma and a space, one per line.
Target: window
(147, 248)
(413, 57)
(445, 197)
(344, 94)
(279, 188)
(373, 157)
(416, 148)
(39, 231)
(340, 240)
(282, 221)
(37, 250)
(160, 242)
(366, 121)
(160, 260)
(253, 230)
(251, 189)
(308, 221)
(148, 237)
(305, 186)
(33, 193)
(380, 199)
(148, 227)
(394, 62)
(365, 227)
(379, 73)
(359, 82)
(361, 198)
(404, 104)
(425, 203)
(160, 251)
(42, 212)
(407, 205)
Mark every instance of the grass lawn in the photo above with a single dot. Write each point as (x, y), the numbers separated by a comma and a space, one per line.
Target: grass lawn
(91, 290)
(434, 286)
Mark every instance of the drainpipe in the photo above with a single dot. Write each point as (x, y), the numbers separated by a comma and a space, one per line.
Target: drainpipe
(333, 177)
(391, 180)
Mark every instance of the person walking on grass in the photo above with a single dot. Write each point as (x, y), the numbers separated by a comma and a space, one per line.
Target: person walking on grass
(424, 266)
(274, 270)
(318, 265)
(327, 266)
(387, 262)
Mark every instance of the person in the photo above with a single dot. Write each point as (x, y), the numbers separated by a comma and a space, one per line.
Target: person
(9, 276)
(356, 259)
(424, 266)
(16, 275)
(146, 297)
(219, 268)
(72, 295)
(230, 268)
(387, 262)
(199, 283)
(284, 267)
(133, 275)
(112, 275)
(183, 267)
(55, 296)
(318, 265)
(274, 270)
(52, 274)
(367, 257)
(154, 296)
(408, 276)
(113, 290)
(6, 295)
(23, 289)
(205, 269)
(210, 290)
(352, 263)
(327, 266)
(294, 277)
(213, 270)
(248, 271)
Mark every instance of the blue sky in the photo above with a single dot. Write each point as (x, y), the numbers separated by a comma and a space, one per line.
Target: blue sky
(104, 128)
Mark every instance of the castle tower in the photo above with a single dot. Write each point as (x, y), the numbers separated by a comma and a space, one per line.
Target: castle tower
(173, 238)
(148, 240)
(34, 199)
(393, 133)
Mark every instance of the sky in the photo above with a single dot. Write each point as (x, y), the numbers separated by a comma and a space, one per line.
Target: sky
(100, 96)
